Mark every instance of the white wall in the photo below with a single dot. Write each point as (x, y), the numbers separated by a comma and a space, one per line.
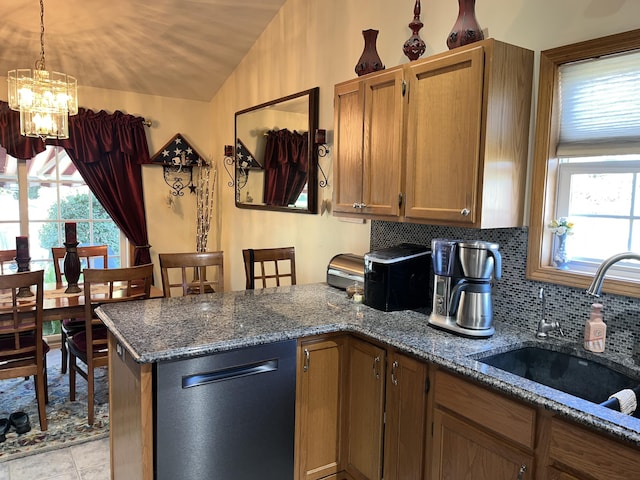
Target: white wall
(317, 43)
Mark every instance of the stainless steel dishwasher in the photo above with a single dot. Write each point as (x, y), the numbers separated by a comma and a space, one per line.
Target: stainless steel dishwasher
(227, 416)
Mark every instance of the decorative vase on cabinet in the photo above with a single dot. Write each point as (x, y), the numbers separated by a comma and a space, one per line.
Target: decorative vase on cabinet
(369, 60)
(466, 29)
(414, 47)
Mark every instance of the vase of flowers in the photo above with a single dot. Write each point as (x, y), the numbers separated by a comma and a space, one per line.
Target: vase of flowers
(560, 228)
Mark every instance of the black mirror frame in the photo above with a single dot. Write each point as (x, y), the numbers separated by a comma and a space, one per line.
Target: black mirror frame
(312, 175)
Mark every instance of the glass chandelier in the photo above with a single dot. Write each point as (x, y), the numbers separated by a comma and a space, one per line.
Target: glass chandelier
(45, 99)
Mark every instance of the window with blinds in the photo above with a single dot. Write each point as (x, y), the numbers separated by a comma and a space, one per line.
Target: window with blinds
(598, 150)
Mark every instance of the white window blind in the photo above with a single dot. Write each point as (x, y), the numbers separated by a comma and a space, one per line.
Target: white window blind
(600, 106)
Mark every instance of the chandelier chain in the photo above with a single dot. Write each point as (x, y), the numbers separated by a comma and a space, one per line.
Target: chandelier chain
(40, 65)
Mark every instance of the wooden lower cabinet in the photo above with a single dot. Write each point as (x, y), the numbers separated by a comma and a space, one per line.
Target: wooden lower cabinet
(364, 410)
(386, 406)
(479, 434)
(575, 453)
(405, 416)
(463, 451)
(555, 474)
(318, 408)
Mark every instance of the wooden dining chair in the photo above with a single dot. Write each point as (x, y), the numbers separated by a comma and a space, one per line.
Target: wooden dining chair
(23, 351)
(269, 260)
(88, 256)
(7, 257)
(88, 349)
(199, 272)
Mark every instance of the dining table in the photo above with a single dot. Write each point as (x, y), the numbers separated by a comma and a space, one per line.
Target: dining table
(59, 304)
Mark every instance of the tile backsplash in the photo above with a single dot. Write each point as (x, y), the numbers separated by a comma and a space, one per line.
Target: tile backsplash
(515, 299)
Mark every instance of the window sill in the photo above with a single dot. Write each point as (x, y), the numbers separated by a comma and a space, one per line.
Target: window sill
(582, 280)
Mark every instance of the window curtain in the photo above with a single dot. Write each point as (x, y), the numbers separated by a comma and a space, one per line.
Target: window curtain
(108, 151)
(286, 165)
(15, 144)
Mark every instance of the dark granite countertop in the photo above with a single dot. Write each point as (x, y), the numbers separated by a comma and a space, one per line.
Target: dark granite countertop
(168, 329)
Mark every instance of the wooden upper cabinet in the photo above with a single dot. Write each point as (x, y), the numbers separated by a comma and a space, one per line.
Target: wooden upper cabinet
(383, 162)
(468, 136)
(443, 137)
(349, 125)
(447, 136)
(368, 144)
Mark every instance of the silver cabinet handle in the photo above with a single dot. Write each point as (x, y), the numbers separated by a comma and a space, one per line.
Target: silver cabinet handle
(376, 369)
(307, 358)
(521, 472)
(465, 212)
(394, 378)
(356, 205)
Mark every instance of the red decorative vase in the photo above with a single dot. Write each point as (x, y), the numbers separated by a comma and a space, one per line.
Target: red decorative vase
(369, 60)
(466, 29)
(415, 46)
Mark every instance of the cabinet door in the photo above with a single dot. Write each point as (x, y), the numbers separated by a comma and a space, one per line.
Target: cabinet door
(348, 129)
(464, 452)
(555, 474)
(406, 405)
(444, 137)
(591, 455)
(383, 159)
(318, 408)
(131, 414)
(365, 400)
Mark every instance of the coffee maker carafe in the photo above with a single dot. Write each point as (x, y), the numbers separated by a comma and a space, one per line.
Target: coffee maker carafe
(462, 300)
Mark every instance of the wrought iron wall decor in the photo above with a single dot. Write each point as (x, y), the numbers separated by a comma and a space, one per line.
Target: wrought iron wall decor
(178, 158)
(320, 140)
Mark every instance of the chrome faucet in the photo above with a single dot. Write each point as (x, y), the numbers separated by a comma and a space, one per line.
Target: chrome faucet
(543, 326)
(596, 284)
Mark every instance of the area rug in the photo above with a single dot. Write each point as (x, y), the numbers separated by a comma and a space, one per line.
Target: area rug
(67, 421)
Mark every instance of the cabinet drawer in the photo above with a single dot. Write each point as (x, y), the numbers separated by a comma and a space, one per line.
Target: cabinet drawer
(592, 454)
(493, 411)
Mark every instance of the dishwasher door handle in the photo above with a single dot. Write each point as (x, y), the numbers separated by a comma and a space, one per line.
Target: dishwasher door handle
(229, 373)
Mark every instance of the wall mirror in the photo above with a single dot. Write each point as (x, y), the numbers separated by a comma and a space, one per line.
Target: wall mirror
(275, 157)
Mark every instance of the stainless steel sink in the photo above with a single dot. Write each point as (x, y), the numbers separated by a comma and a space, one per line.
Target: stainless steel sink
(568, 373)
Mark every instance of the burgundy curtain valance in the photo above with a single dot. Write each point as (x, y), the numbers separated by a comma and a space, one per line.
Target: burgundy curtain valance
(14, 143)
(92, 135)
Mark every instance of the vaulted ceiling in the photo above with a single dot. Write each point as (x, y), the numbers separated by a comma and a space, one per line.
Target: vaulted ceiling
(174, 48)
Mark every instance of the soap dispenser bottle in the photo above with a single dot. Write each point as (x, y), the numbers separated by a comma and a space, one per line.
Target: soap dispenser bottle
(595, 330)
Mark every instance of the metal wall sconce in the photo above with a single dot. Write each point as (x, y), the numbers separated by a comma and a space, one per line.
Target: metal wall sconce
(320, 141)
(178, 158)
(242, 174)
(229, 161)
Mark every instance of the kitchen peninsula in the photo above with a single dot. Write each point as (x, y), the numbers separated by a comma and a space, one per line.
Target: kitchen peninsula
(150, 333)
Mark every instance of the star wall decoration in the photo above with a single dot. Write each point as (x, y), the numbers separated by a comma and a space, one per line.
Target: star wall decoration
(177, 158)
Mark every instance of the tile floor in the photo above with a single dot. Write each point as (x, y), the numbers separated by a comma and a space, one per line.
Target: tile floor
(87, 461)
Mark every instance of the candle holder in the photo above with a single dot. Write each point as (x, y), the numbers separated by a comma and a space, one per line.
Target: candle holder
(72, 268)
(23, 266)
